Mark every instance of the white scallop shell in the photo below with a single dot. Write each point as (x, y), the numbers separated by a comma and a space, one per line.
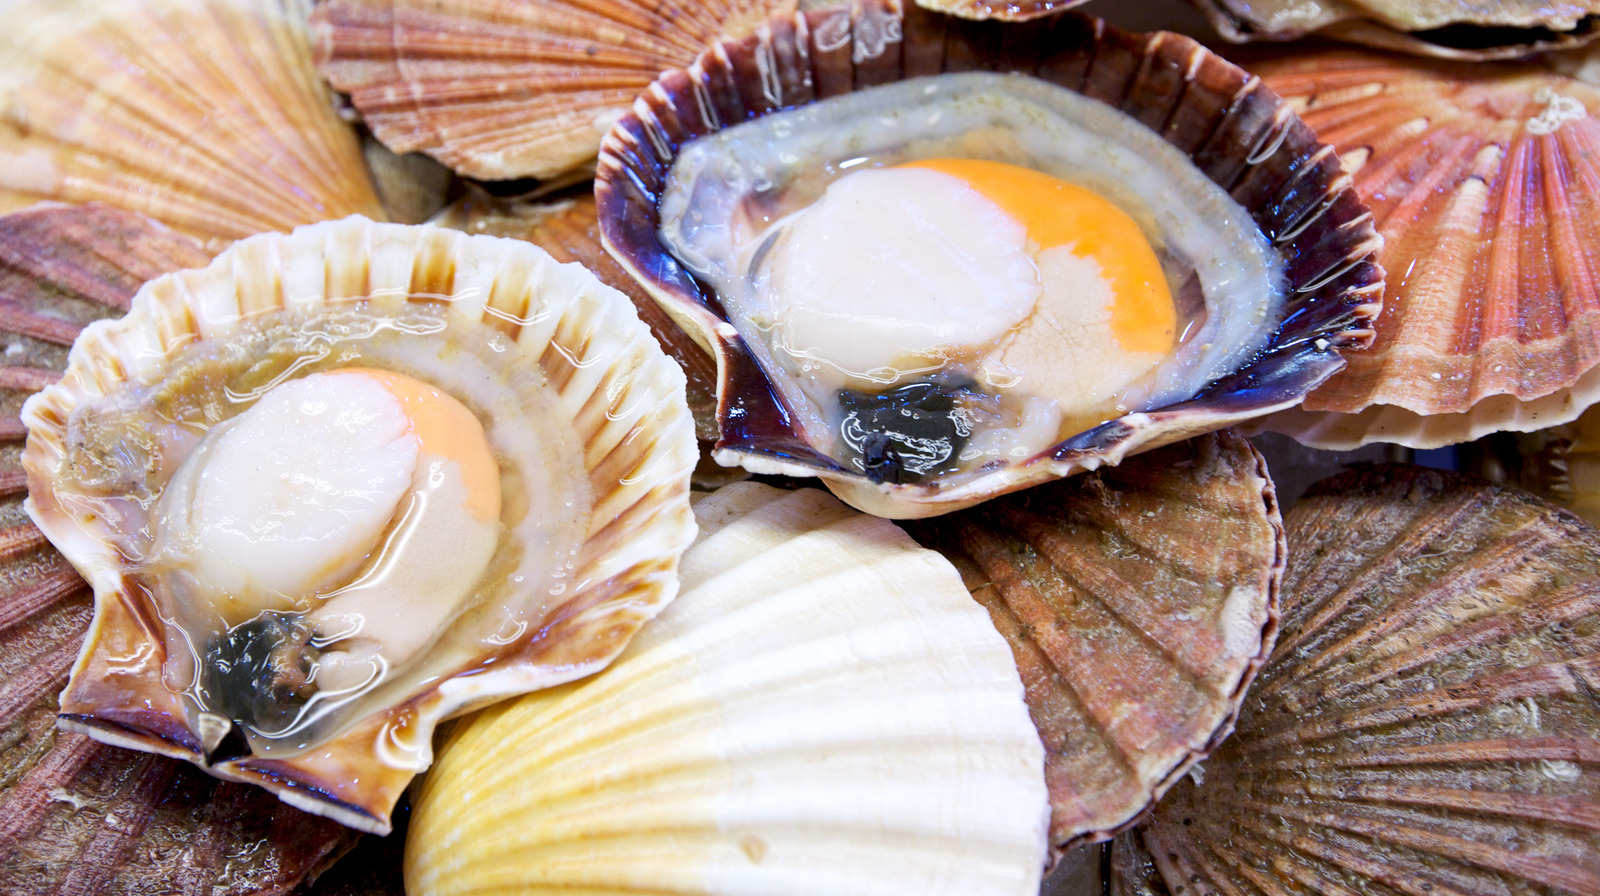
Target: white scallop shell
(616, 397)
(824, 709)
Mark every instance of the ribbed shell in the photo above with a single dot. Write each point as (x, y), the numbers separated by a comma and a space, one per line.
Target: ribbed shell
(1139, 602)
(822, 710)
(1484, 183)
(1427, 722)
(569, 230)
(1239, 135)
(76, 816)
(620, 400)
(1455, 29)
(206, 115)
(499, 89)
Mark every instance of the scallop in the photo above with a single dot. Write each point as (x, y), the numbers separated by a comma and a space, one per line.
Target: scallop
(344, 483)
(933, 273)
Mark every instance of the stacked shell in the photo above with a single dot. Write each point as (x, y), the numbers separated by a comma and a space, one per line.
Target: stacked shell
(80, 816)
(206, 116)
(919, 370)
(1427, 722)
(347, 482)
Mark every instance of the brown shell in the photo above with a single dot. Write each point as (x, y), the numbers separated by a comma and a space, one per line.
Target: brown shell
(569, 229)
(77, 816)
(1003, 10)
(1139, 601)
(206, 116)
(506, 89)
(1452, 29)
(1427, 722)
(1241, 136)
(1484, 183)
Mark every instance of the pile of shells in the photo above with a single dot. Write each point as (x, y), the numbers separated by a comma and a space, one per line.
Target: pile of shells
(1111, 636)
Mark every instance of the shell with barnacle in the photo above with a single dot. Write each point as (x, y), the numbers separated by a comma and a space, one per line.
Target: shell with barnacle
(343, 483)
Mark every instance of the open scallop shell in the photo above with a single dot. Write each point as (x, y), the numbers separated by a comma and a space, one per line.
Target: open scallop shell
(1427, 722)
(506, 89)
(1239, 135)
(1454, 29)
(1483, 182)
(1139, 602)
(206, 115)
(823, 709)
(76, 815)
(622, 408)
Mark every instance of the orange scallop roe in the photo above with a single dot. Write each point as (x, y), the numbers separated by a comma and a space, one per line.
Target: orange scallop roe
(1056, 213)
(445, 428)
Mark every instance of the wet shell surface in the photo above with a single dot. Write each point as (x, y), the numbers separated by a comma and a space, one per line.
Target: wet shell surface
(206, 115)
(1455, 29)
(77, 816)
(1139, 602)
(1483, 182)
(569, 229)
(823, 709)
(1427, 722)
(310, 641)
(508, 89)
(774, 419)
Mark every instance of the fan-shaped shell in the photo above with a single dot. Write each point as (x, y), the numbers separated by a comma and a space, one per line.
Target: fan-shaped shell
(1138, 602)
(1456, 29)
(619, 401)
(206, 115)
(823, 709)
(507, 89)
(1427, 722)
(569, 229)
(1483, 181)
(78, 816)
(1241, 137)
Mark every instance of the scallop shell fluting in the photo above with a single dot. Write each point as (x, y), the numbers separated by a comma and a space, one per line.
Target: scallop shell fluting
(620, 398)
(1139, 602)
(1483, 182)
(78, 816)
(505, 89)
(822, 710)
(206, 115)
(569, 229)
(1240, 135)
(1453, 29)
(1427, 722)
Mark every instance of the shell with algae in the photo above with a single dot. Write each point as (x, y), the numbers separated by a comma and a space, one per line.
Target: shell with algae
(206, 115)
(1427, 722)
(1139, 602)
(1195, 105)
(592, 449)
(77, 816)
(823, 709)
(1482, 180)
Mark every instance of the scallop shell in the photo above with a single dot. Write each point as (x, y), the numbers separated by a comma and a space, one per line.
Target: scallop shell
(628, 424)
(1005, 10)
(569, 229)
(77, 816)
(1241, 136)
(1427, 722)
(204, 114)
(822, 710)
(1453, 29)
(504, 89)
(1139, 602)
(1483, 183)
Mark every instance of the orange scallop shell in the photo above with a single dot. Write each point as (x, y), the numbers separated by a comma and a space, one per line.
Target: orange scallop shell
(505, 89)
(1485, 183)
(1428, 722)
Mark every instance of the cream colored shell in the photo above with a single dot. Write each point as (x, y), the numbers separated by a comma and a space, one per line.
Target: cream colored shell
(615, 400)
(823, 710)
